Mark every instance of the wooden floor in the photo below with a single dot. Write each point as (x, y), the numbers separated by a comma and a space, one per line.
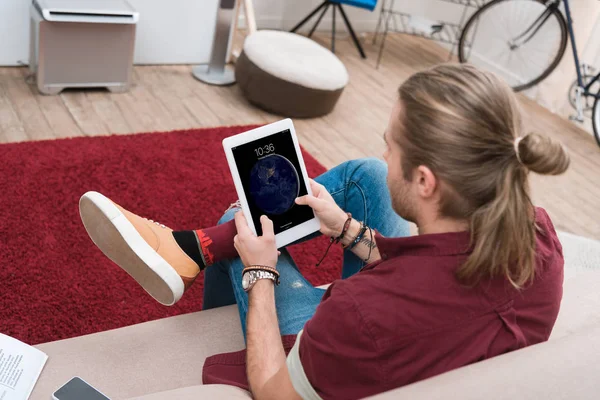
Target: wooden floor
(167, 97)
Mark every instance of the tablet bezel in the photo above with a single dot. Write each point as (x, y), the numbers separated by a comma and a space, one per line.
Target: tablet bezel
(290, 235)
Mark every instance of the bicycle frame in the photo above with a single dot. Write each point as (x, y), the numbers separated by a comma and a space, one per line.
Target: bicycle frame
(551, 6)
(586, 88)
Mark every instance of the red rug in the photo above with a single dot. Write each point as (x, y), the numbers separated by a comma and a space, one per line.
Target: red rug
(54, 283)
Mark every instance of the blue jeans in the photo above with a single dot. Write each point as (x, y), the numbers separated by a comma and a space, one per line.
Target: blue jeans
(358, 187)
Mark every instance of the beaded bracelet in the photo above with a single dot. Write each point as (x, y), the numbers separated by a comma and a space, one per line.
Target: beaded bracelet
(344, 229)
(254, 267)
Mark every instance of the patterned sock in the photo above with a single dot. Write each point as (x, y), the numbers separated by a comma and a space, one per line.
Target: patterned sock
(209, 245)
(216, 242)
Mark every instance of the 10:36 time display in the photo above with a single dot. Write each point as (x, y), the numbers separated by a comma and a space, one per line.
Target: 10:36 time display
(264, 150)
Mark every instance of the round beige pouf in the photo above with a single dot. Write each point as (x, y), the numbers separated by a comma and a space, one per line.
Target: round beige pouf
(289, 74)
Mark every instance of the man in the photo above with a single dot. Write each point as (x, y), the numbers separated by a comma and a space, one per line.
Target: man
(483, 277)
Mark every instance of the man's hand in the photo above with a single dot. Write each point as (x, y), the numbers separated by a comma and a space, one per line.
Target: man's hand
(252, 249)
(326, 209)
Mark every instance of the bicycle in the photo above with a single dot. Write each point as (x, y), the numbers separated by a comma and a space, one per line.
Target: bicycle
(528, 48)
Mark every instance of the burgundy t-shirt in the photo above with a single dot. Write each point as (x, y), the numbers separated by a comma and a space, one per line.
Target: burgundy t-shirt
(406, 318)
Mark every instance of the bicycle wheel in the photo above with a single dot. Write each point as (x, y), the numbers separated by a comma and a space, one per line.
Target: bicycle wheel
(596, 120)
(496, 38)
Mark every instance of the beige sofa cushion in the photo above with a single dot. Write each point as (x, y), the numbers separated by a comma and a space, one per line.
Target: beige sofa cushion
(581, 254)
(580, 307)
(145, 358)
(565, 368)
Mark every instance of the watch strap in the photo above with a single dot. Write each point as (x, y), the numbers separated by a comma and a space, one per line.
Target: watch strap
(263, 268)
(257, 275)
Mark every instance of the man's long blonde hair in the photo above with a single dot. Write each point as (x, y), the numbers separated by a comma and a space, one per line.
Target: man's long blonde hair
(464, 125)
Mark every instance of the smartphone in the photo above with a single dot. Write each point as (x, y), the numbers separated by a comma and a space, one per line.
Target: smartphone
(78, 389)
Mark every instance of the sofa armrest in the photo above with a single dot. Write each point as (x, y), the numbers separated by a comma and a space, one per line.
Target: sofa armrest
(199, 392)
(580, 304)
(566, 368)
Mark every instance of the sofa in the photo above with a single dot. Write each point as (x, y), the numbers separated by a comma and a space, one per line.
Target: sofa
(163, 359)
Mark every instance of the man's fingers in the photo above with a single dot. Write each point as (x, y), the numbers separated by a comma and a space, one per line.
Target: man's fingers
(241, 224)
(302, 200)
(315, 187)
(308, 200)
(267, 226)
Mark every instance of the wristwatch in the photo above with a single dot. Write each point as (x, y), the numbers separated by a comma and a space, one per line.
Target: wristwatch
(251, 277)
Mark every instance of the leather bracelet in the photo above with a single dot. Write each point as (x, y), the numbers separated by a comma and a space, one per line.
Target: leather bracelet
(358, 237)
(336, 240)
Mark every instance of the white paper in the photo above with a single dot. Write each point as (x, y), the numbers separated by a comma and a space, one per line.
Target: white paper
(20, 367)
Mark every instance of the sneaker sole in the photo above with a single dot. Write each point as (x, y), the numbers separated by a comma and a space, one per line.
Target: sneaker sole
(117, 238)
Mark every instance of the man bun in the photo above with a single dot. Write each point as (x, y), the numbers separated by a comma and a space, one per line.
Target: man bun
(542, 154)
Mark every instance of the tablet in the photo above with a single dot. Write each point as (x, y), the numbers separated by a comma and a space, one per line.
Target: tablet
(269, 173)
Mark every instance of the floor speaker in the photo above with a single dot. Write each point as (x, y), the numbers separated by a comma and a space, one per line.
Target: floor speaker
(217, 72)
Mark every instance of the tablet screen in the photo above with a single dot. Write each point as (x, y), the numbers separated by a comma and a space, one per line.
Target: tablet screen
(272, 179)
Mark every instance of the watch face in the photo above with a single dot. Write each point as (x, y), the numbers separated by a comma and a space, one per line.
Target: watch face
(246, 281)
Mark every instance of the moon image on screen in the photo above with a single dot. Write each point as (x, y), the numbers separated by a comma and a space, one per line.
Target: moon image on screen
(274, 184)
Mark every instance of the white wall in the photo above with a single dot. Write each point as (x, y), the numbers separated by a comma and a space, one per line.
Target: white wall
(177, 31)
(182, 32)
(14, 31)
(277, 14)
